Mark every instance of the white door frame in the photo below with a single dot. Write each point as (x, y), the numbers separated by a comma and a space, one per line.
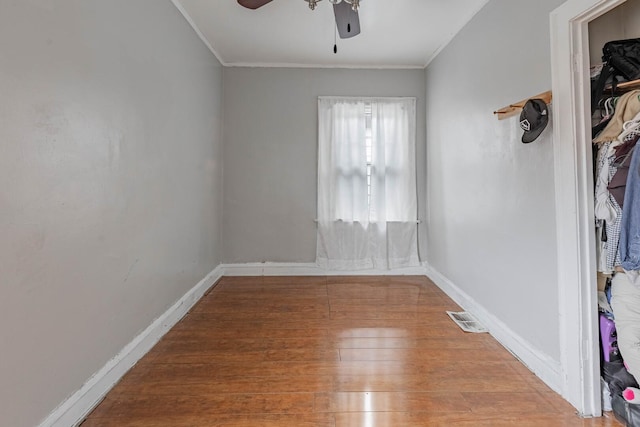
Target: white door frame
(579, 351)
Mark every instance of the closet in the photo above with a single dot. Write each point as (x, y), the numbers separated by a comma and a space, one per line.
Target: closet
(616, 174)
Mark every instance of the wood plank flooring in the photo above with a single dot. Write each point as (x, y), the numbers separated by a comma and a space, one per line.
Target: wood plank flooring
(329, 351)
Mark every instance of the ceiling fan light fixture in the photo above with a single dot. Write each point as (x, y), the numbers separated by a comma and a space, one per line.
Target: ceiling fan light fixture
(355, 4)
(313, 3)
(335, 1)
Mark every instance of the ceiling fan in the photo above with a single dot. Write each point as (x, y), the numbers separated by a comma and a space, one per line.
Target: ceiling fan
(345, 12)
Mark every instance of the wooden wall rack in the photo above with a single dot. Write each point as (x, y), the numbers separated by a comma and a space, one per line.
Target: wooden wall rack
(515, 108)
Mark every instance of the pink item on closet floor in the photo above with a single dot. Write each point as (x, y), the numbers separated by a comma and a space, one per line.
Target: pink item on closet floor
(631, 394)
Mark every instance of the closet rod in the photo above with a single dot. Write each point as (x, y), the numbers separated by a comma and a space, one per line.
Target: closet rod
(624, 86)
(515, 108)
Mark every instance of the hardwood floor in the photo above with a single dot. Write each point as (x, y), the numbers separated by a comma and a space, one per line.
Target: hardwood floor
(329, 351)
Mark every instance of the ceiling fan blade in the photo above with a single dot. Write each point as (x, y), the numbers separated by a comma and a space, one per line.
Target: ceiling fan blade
(347, 20)
(253, 4)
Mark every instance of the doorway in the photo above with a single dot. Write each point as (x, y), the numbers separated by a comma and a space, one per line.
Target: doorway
(579, 351)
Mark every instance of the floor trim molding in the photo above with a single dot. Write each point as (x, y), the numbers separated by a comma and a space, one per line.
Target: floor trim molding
(73, 410)
(543, 366)
(310, 269)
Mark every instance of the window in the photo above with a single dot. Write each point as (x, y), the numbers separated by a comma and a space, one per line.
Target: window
(366, 175)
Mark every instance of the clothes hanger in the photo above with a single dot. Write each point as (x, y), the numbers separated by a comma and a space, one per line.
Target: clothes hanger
(609, 105)
(602, 107)
(629, 127)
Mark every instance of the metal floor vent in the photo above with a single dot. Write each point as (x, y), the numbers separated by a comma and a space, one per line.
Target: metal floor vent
(467, 322)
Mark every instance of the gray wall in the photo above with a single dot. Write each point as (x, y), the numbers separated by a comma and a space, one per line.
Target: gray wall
(491, 209)
(270, 153)
(110, 204)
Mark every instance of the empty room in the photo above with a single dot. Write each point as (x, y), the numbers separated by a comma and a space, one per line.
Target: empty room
(317, 213)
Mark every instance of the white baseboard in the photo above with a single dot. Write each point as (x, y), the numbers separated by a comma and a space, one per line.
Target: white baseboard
(73, 410)
(309, 269)
(543, 366)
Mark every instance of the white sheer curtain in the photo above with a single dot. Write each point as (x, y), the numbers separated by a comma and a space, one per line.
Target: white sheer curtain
(367, 206)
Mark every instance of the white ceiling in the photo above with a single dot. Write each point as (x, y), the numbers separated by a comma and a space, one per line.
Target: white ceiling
(394, 33)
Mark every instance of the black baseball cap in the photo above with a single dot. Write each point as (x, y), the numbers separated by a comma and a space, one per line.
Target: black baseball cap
(533, 119)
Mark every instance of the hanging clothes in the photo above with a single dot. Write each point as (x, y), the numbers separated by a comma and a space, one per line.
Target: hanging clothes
(622, 161)
(607, 211)
(612, 164)
(627, 107)
(625, 300)
(613, 238)
(604, 208)
(630, 226)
